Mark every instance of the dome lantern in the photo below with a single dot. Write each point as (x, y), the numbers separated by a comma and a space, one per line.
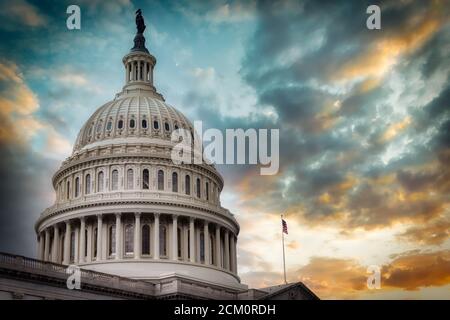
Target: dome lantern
(139, 63)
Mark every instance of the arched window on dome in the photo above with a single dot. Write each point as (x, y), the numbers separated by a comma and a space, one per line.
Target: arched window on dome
(212, 249)
(112, 240)
(207, 191)
(160, 180)
(68, 190)
(99, 127)
(166, 126)
(189, 245)
(77, 187)
(202, 247)
(145, 179)
(174, 182)
(197, 188)
(132, 123)
(109, 126)
(87, 186)
(187, 183)
(94, 242)
(146, 239)
(155, 125)
(120, 124)
(100, 181)
(72, 246)
(180, 243)
(163, 241)
(130, 179)
(129, 241)
(85, 242)
(222, 251)
(144, 123)
(115, 180)
(61, 245)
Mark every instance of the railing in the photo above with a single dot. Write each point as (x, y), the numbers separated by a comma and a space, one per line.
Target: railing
(20, 263)
(136, 195)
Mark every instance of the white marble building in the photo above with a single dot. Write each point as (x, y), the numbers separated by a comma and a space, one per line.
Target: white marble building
(122, 205)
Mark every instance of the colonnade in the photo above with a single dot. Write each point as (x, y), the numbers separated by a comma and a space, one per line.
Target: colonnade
(139, 236)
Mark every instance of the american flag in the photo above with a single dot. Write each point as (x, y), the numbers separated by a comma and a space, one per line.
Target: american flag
(284, 225)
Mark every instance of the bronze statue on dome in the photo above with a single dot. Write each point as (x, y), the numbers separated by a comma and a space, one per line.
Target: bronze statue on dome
(140, 25)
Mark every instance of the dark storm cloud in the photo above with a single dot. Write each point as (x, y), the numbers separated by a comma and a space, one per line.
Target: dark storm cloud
(24, 178)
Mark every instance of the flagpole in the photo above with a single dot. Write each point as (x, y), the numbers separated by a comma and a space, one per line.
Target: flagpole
(282, 241)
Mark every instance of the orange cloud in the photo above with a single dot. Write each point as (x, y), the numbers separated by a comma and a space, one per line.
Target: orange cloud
(416, 270)
(17, 107)
(346, 278)
(394, 129)
(384, 52)
(434, 233)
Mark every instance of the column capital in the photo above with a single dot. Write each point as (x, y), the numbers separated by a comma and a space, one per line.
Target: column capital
(174, 216)
(206, 222)
(83, 218)
(156, 214)
(191, 219)
(99, 215)
(118, 215)
(137, 214)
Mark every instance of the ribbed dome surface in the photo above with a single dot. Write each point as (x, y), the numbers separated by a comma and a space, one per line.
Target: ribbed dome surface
(131, 116)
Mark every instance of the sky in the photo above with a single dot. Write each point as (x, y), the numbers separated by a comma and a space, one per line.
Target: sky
(364, 120)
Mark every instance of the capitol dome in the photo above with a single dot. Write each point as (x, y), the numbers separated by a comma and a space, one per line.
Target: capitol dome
(131, 116)
(124, 207)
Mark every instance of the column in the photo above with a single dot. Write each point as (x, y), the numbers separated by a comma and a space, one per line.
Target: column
(89, 242)
(191, 240)
(206, 241)
(227, 251)
(118, 235)
(47, 244)
(137, 235)
(67, 237)
(99, 236)
(77, 245)
(156, 233)
(233, 254)
(174, 237)
(138, 71)
(82, 239)
(55, 246)
(41, 247)
(217, 245)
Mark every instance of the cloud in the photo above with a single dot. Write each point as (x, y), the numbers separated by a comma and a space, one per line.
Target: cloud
(416, 270)
(347, 147)
(347, 278)
(18, 107)
(20, 13)
(435, 232)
